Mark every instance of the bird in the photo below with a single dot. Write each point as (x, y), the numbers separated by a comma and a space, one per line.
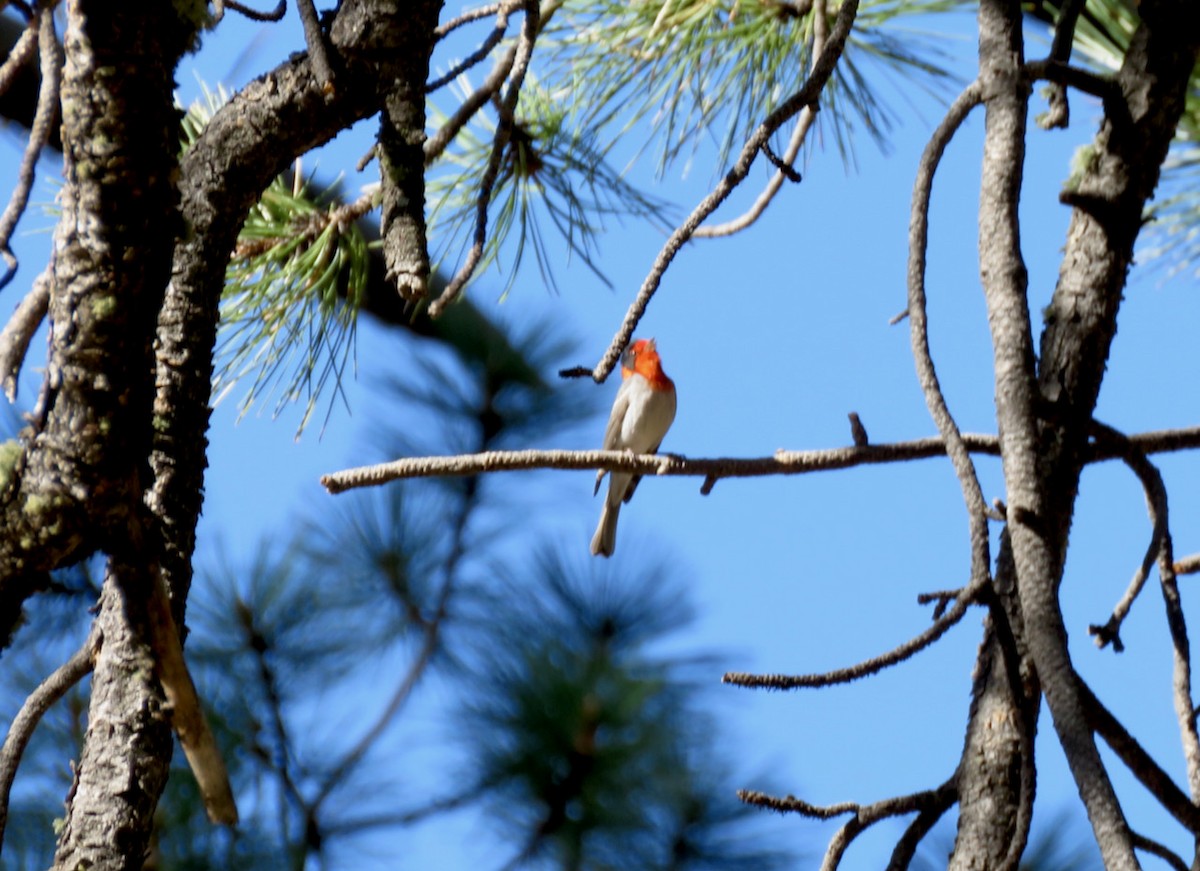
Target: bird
(641, 415)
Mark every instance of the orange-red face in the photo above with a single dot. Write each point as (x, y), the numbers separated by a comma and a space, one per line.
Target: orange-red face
(642, 357)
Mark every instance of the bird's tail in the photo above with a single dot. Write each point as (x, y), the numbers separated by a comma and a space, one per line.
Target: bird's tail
(604, 542)
(605, 539)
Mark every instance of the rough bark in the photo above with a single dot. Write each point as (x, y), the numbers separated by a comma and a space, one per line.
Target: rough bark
(263, 128)
(996, 778)
(83, 459)
(1044, 412)
(127, 749)
(397, 38)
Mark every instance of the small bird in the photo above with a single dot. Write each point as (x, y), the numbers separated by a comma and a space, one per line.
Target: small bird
(641, 415)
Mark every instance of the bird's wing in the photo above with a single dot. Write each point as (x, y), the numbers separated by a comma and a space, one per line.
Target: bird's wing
(612, 433)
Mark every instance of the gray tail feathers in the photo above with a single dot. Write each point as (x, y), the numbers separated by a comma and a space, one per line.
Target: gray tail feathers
(604, 542)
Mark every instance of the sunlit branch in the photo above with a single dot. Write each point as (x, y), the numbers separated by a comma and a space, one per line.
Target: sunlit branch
(477, 56)
(804, 122)
(20, 329)
(783, 463)
(34, 708)
(51, 56)
(439, 140)
(497, 9)
(504, 124)
(187, 718)
(20, 53)
(1189, 565)
(867, 667)
(864, 817)
(918, 244)
(1060, 52)
(808, 95)
(1157, 505)
(1141, 764)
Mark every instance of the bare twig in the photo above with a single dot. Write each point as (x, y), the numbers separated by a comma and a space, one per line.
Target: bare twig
(34, 708)
(858, 432)
(467, 17)
(1154, 848)
(275, 14)
(1189, 565)
(20, 329)
(783, 463)
(485, 48)
(918, 243)
(40, 131)
(1110, 632)
(1141, 764)
(1060, 52)
(944, 798)
(1157, 506)
(870, 814)
(187, 718)
(943, 598)
(436, 144)
(799, 134)
(806, 96)
(314, 38)
(864, 817)
(18, 55)
(867, 667)
(790, 804)
(504, 124)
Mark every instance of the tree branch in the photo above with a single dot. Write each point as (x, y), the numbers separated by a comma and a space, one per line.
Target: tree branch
(918, 243)
(34, 708)
(806, 96)
(50, 53)
(799, 134)
(783, 463)
(508, 105)
(867, 667)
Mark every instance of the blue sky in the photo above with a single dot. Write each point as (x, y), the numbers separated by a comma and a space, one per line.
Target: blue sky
(772, 337)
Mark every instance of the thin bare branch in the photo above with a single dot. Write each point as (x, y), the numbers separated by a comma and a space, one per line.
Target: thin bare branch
(467, 17)
(918, 244)
(791, 804)
(1157, 506)
(34, 708)
(245, 11)
(1141, 764)
(314, 38)
(504, 124)
(485, 48)
(799, 134)
(806, 96)
(944, 798)
(870, 814)
(1154, 848)
(50, 53)
(19, 55)
(867, 667)
(1110, 631)
(20, 329)
(783, 463)
(1189, 565)
(187, 718)
(437, 143)
(1060, 52)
